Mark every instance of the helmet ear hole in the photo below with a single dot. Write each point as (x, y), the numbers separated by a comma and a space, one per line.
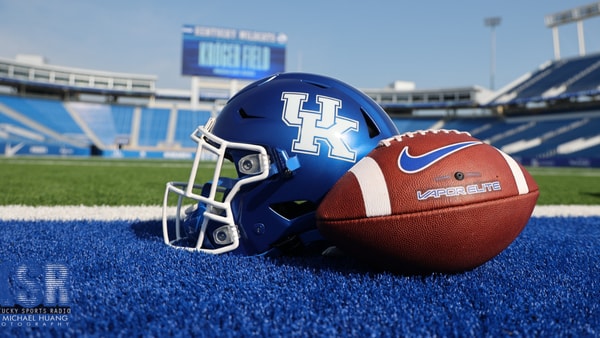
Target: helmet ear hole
(371, 126)
(293, 209)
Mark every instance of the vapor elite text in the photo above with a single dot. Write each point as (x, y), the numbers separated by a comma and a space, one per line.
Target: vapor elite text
(472, 189)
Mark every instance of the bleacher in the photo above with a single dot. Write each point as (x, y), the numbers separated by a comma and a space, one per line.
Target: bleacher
(41, 120)
(570, 138)
(555, 80)
(109, 124)
(187, 121)
(568, 134)
(113, 128)
(153, 126)
(107, 128)
(411, 124)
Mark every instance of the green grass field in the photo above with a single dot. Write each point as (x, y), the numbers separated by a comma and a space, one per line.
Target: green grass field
(94, 181)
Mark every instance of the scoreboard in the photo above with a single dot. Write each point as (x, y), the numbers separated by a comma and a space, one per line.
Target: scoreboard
(232, 53)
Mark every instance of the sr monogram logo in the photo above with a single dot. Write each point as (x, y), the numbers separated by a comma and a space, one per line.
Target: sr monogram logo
(324, 125)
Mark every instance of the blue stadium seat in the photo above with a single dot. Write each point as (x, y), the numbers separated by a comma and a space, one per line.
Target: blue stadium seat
(49, 113)
(153, 126)
(553, 133)
(413, 124)
(57, 125)
(578, 76)
(587, 82)
(187, 122)
(4, 119)
(110, 123)
(592, 152)
(476, 126)
(122, 119)
(563, 71)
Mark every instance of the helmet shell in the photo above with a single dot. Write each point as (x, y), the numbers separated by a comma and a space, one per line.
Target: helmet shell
(284, 205)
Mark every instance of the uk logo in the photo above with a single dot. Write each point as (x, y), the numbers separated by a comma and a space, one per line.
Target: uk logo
(315, 128)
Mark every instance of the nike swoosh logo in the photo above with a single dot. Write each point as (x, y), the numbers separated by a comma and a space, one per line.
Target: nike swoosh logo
(413, 164)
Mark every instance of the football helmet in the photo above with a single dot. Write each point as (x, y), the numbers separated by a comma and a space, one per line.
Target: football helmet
(275, 150)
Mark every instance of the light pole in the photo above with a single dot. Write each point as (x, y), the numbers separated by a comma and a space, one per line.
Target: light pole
(492, 22)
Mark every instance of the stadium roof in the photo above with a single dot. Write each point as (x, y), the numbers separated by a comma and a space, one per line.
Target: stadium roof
(30, 71)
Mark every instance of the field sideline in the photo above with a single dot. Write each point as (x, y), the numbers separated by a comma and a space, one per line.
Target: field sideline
(108, 189)
(149, 213)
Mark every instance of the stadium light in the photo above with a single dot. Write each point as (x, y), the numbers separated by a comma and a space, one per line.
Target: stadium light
(492, 22)
(576, 15)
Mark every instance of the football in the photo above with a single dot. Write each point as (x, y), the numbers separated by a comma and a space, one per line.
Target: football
(429, 201)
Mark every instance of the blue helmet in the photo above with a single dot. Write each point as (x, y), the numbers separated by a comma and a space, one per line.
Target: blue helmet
(277, 147)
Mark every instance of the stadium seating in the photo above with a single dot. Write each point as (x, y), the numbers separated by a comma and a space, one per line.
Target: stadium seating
(110, 124)
(122, 118)
(412, 124)
(543, 139)
(563, 136)
(153, 126)
(558, 79)
(590, 152)
(187, 121)
(17, 131)
(49, 113)
(106, 126)
(47, 118)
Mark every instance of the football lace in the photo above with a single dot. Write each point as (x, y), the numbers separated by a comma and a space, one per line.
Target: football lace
(398, 138)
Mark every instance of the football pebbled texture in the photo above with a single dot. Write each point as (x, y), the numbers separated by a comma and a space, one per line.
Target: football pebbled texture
(429, 201)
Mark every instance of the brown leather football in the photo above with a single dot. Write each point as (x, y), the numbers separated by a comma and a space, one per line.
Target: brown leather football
(435, 200)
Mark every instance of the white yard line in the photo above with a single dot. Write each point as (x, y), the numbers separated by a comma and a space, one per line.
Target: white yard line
(70, 213)
(566, 210)
(146, 213)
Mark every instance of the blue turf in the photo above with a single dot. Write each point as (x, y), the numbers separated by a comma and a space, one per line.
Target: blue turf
(125, 281)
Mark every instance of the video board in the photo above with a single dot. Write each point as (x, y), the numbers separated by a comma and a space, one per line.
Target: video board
(232, 53)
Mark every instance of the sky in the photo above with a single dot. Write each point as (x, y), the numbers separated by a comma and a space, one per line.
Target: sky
(368, 44)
